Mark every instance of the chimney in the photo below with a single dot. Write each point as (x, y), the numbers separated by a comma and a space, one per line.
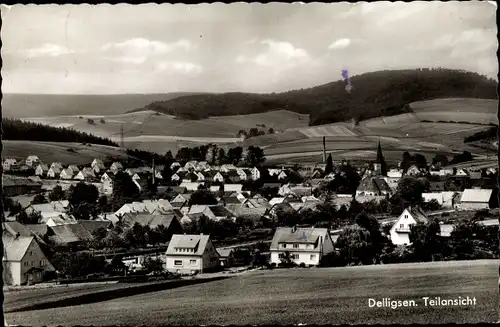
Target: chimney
(324, 149)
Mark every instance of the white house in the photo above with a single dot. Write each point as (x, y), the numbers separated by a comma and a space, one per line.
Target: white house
(243, 175)
(175, 178)
(191, 186)
(41, 170)
(116, 167)
(74, 169)
(85, 174)
(57, 165)
(227, 168)
(106, 187)
(189, 254)
(305, 245)
(476, 199)
(255, 173)
(282, 175)
(461, 173)
(66, 174)
(32, 160)
(218, 177)
(23, 261)
(445, 199)
(395, 173)
(105, 177)
(136, 177)
(98, 166)
(53, 172)
(400, 231)
(190, 165)
(233, 187)
(8, 163)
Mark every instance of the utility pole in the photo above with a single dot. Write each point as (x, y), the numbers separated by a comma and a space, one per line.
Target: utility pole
(121, 137)
(324, 149)
(153, 179)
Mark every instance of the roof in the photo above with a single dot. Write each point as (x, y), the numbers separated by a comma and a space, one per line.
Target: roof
(93, 225)
(368, 198)
(8, 180)
(476, 195)
(196, 242)
(15, 248)
(38, 229)
(271, 185)
(152, 221)
(418, 214)
(308, 235)
(220, 211)
(16, 228)
(70, 233)
(224, 253)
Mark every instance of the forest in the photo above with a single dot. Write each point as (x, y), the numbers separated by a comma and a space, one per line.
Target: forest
(373, 94)
(15, 129)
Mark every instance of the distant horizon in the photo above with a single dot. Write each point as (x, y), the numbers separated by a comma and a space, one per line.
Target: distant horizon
(495, 78)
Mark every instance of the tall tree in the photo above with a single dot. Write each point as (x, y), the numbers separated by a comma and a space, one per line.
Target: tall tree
(329, 165)
(57, 194)
(221, 157)
(202, 197)
(39, 199)
(83, 200)
(124, 190)
(410, 189)
(255, 156)
(234, 155)
(406, 161)
(167, 174)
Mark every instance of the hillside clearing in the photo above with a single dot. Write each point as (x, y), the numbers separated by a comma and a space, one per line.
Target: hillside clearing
(49, 152)
(312, 296)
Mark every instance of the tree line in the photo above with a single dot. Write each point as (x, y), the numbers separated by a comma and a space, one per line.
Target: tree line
(374, 94)
(16, 129)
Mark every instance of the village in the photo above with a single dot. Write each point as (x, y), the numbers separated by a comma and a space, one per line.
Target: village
(203, 218)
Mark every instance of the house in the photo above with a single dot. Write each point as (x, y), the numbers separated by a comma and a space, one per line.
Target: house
(477, 199)
(106, 187)
(9, 163)
(213, 212)
(98, 166)
(86, 174)
(192, 186)
(69, 234)
(338, 202)
(445, 199)
(305, 245)
(233, 187)
(190, 254)
(66, 174)
(53, 172)
(400, 231)
(116, 167)
(242, 173)
(170, 221)
(136, 177)
(94, 225)
(284, 207)
(282, 175)
(392, 182)
(49, 210)
(32, 160)
(395, 173)
(232, 176)
(41, 170)
(23, 260)
(190, 165)
(255, 173)
(218, 177)
(176, 177)
(14, 186)
(56, 165)
(200, 177)
(105, 177)
(180, 200)
(370, 198)
(74, 169)
(227, 168)
(413, 170)
(226, 257)
(214, 188)
(373, 186)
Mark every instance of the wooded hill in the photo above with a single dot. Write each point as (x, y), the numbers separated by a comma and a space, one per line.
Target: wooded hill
(15, 129)
(375, 94)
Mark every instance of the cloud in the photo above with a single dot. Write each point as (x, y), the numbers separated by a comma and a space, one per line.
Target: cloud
(179, 67)
(49, 50)
(280, 54)
(128, 60)
(340, 44)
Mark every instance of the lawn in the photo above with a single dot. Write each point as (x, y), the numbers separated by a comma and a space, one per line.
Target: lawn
(310, 296)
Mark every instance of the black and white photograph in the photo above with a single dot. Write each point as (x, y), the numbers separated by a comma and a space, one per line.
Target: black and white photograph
(250, 164)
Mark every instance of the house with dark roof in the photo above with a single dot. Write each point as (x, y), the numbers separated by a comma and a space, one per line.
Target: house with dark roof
(190, 254)
(14, 186)
(373, 186)
(170, 221)
(93, 225)
(23, 261)
(304, 245)
(69, 234)
(400, 231)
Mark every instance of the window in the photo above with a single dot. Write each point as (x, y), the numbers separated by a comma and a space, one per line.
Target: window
(401, 225)
(177, 262)
(406, 216)
(284, 245)
(295, 256)
(192, 262)
(281, 255)
(295, 246)
(32, 263)
(42, 263)
(313, 257)
(31, 252)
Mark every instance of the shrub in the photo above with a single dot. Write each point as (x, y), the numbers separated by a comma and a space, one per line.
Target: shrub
(102, 121)
(90, 121)
(302, 265)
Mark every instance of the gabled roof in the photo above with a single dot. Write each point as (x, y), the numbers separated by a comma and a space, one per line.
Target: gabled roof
(93, 225)
(38, 229)
(196, 242)
(8, 180)
(476, 195)
(220, 211)
(418, 214)
(15, 248)
(70, 233)
(300, 235)
(16, 228)
(152, 221)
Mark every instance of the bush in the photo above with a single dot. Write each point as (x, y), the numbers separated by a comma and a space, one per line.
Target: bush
(90, 121)
(302, 265)
(102, 121)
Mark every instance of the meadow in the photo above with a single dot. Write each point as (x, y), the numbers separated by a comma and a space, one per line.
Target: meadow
(293, 296)
(49, 152)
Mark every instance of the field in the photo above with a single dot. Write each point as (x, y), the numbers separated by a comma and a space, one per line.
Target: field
(315, 296)
(49, 152)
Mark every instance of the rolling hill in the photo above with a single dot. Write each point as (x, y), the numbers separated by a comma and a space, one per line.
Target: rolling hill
(44, 105)
(382, 93)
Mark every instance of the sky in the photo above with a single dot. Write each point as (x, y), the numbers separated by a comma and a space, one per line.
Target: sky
(239, 47)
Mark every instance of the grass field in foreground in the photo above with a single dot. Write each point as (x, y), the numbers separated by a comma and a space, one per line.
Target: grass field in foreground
(309, 295)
